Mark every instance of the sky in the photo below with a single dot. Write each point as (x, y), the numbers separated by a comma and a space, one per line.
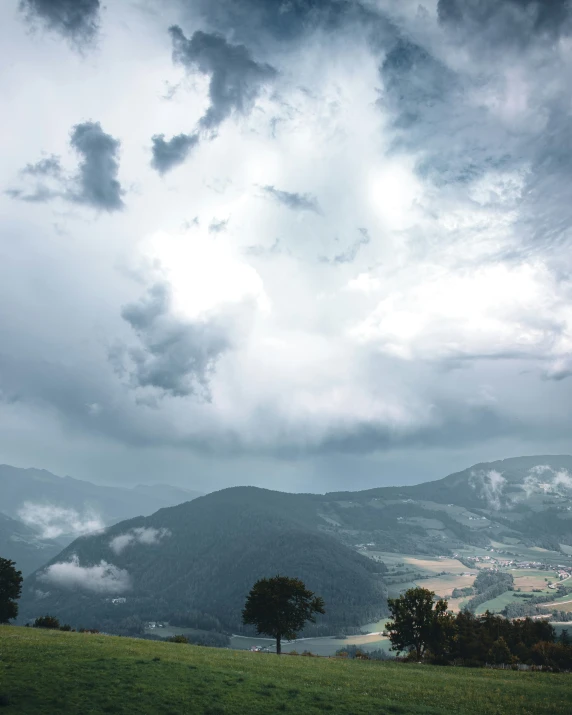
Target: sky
(308, 245)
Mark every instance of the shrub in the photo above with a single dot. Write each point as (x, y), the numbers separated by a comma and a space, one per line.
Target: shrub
(65, 627)
(46, 622)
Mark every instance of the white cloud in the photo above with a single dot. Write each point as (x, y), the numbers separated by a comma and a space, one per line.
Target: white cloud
(490, 486)
(543, 479)
(146, 536)
(100, 578)
(312, 347)
(53, 521)
(434, 312)
(203, 273)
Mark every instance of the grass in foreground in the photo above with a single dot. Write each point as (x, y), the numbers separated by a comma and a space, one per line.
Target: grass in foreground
(52, 672)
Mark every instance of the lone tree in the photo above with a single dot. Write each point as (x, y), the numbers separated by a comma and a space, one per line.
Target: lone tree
(10, 590)
(419, 623)
(280, 607)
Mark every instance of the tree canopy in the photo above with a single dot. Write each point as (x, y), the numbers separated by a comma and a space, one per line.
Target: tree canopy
(280, 607)
(10, 590)
(419, 622)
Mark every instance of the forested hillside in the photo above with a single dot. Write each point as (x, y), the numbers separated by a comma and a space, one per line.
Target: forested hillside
(204, 556)
(201, 557)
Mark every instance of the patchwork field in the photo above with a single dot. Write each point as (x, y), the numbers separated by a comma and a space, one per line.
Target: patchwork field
(527, 579)
(451, 569)
(444, 585)
(443, 575)
(52, 672)
(565, 606)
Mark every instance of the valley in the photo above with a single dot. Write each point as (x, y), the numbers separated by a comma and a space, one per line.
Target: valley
(191, 565)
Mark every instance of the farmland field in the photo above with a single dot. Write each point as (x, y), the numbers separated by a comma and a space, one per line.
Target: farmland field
(527, 579)
(444, 585)
(405, 569)
(495, 605)
(565, 606)
(428, 567)
(52, 672)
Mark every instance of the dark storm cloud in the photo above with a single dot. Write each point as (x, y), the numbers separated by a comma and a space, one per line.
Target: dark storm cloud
(455, 425)
(415, 82)
(171, 153)
(235, 78)
(95, 182)
(510, 22)
(546, 213)
(293, 200)
(176, 357)
(235, 83)
(260, 22)
(71, 391)
(78, 20)
(455, 141)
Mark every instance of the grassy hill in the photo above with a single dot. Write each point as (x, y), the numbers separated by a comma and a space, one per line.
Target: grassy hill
(47, 672)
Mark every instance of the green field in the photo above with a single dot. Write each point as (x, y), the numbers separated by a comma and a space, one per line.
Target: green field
(496, 605)
(44, 672)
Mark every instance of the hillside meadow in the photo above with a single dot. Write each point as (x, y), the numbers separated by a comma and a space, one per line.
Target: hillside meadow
(50, 671)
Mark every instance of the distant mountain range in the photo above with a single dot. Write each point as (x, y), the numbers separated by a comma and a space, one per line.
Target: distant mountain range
(23, 545)
(204, 555)
(47, 512)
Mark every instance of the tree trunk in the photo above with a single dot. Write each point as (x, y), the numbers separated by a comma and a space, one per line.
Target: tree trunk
(278, 645)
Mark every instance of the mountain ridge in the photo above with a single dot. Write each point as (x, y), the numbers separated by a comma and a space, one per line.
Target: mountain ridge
(203, 555)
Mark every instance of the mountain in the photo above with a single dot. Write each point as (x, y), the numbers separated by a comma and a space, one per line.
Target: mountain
(23, 545)
(500, 484)
(57, 506)
(202, 557)
(524, 498)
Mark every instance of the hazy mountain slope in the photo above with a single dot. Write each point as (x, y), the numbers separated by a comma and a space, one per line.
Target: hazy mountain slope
(469, 487)
(205, 556)
(527, 498)
(22, 545)
(65, 505)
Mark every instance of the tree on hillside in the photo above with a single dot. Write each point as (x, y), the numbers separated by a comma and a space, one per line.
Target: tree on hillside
(419, 623)
(499, 652)
(280, 607)
(10, 590)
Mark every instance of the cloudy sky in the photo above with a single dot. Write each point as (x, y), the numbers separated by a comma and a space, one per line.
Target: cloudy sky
(305, 244)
